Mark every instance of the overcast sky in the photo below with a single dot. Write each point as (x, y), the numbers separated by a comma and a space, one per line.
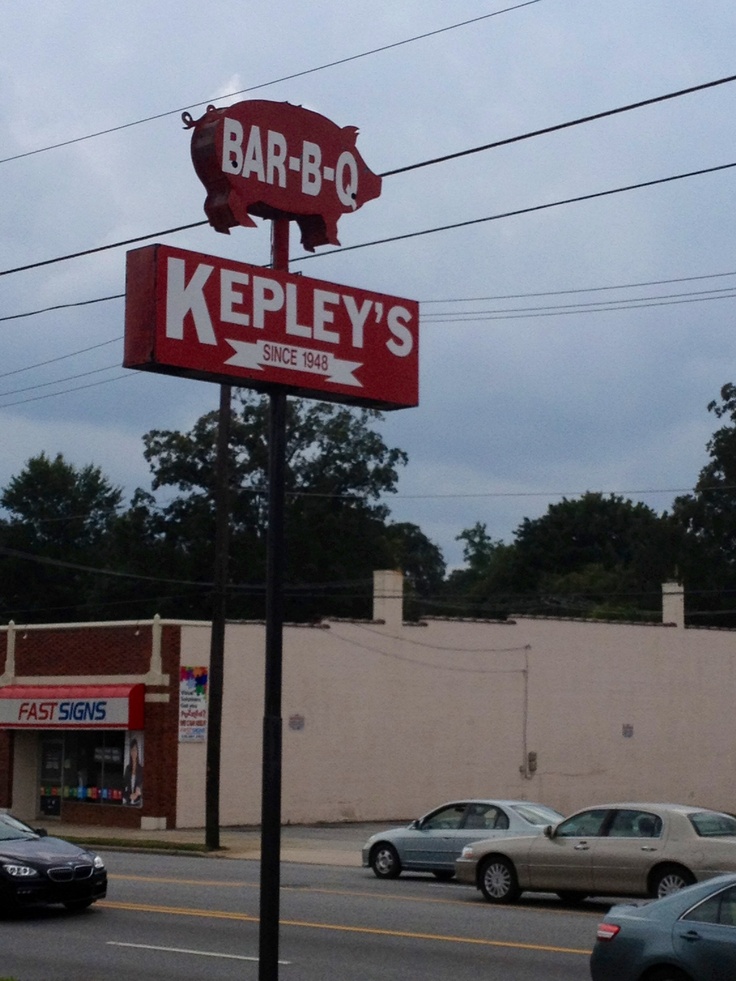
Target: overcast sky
(528, 392)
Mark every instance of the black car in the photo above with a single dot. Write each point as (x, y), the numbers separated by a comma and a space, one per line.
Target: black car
(36, 870)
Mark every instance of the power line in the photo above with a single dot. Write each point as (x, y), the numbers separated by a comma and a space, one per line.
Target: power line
(10, 612)
(576, 493)
(263, 492)
(428, 163)
(459, 318)
(466, 316)
(61, 357)
(13, 553)
(63, 306)
(582, 289)
(426, 317)
(102, 248)
(569, 311)
(443, 647)
(452, 668)
(59, 381)
(625, 303)
(293, 590)
(406, 235)
(560, 126)
(263, 85)
(519, 211)
(78, 388)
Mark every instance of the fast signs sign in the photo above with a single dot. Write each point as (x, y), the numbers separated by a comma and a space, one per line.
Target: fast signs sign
(72, 706)
(215, 319)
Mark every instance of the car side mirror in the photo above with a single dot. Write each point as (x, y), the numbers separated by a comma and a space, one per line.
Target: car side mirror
(41, 832)
(414, 825)
(549, 831)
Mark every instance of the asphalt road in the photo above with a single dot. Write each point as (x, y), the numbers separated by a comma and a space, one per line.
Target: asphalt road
(187, 918)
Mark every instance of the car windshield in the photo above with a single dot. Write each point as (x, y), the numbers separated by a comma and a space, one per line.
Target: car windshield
(537, 814)
(712, 824)
(11, 828)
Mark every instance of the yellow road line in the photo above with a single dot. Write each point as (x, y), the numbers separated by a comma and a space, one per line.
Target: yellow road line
(341, 928)
(180, 882)
(361, 894)
(303, 889)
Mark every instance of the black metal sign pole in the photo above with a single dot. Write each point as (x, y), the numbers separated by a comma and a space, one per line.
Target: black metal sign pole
(268, 958)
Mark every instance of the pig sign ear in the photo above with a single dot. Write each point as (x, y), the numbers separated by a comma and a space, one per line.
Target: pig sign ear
(350, 133)
(189, 121)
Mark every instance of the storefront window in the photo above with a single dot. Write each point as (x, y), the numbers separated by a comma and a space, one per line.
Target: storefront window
(93, 767)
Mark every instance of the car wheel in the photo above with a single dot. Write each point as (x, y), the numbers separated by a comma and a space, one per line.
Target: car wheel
(384, 861)
(668, 879)
(498, 881)
(77, 905)
(571, 897)
(668, 974)
(444, 875)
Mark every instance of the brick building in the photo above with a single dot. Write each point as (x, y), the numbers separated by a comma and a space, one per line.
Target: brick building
(72, 699)
(382, 719)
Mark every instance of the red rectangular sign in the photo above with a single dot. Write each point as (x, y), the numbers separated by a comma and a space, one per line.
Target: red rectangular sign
(214, 319)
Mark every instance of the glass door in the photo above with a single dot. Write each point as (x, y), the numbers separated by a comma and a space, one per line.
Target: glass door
(52, 757)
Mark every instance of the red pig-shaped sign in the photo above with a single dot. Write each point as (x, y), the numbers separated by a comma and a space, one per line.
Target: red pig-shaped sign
(275, 160)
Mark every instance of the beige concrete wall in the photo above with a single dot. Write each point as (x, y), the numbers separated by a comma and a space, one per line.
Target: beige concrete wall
(384, 720)
(26, 775)
(633, 712)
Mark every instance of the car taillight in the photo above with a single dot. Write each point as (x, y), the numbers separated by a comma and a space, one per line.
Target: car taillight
(607, 931)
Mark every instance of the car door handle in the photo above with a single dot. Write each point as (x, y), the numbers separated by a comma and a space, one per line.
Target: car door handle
(649, 848)
(582, 847)
(691, 935)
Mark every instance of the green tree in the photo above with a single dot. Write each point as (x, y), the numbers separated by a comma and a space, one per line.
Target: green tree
(58, 513)
(707, 519)
(482, 587)
(61, 506)
(479, 549)
(592, 556)
(621, 550)
(421, 562)
(338, 469)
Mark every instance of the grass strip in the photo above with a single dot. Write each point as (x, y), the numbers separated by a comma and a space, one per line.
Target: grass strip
(145, 843)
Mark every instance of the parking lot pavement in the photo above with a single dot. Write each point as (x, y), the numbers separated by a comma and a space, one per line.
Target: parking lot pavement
(320, 844)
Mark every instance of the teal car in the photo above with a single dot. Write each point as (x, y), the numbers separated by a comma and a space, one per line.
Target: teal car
(687, 936)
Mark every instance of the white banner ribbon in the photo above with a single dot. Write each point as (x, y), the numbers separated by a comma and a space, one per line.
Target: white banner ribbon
(289, 357)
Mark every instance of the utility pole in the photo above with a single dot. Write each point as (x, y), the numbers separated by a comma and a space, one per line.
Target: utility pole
(219, 609)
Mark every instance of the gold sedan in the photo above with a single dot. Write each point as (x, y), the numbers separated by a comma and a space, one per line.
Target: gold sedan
(629, 849)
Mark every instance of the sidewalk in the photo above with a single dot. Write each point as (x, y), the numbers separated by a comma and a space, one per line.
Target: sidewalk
(337, 844)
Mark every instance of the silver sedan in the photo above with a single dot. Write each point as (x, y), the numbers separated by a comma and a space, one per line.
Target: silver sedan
(432, 843)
